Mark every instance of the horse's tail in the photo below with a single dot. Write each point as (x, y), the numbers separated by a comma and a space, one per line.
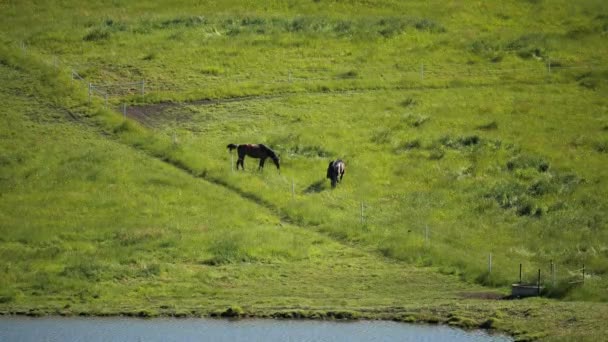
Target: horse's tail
(231, 146)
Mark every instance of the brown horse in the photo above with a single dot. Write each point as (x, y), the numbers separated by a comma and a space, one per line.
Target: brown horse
(335, 171)
(258, 151)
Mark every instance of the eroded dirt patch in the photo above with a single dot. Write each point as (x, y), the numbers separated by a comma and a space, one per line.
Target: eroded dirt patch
(483, 295)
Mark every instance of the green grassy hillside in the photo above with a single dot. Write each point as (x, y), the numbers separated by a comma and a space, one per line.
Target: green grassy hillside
(467, 130)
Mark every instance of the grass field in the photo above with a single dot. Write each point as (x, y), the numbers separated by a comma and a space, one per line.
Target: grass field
(467, 130)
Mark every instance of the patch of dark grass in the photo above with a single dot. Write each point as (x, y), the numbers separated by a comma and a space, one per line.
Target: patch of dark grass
(510, 194)
(460, 142)
(349, 74)
(559, 290)
(542, 187)
(462, 322)
(233, 311)
(529, 45)
(97, 34)
(346, 315)
(389, 27)
(150, 56)
(493, 125)
(429, 26)
(7, 297)
(315, 187)
(601, 146)
(409, 145)
(309, 151)
(524, 161)
(189, 21)
(489, 323)
(416, 121)
(409, 102)
(588, 80)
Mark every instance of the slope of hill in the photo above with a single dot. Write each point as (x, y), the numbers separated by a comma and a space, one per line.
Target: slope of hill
(468, 131)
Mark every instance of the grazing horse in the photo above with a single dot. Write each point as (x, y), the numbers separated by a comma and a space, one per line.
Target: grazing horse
(335, 171)
(255, 151)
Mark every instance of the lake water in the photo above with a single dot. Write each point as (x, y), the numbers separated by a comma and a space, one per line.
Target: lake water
(71, 329)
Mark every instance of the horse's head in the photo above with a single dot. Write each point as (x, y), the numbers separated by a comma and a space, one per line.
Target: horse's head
(276, 162)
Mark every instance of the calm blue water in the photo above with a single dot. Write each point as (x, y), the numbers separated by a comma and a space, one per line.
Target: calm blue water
(72, 329)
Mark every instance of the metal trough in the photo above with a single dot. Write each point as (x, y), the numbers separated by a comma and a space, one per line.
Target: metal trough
(525, 290)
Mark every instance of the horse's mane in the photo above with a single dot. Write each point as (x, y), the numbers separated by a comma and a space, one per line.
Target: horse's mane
(270, 152)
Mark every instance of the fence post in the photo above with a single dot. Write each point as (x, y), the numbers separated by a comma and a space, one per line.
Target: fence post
(124, 110)
(552, 273)
(143, 87)
(583, 273)
(520, 273)
(538, 282)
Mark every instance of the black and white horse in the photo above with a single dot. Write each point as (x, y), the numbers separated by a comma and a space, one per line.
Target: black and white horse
(335, 171)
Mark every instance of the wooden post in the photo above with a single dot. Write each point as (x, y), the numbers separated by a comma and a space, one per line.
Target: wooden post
(520, 273)
(583, 273)
(124, 110)
(538, 282)
(552, 273)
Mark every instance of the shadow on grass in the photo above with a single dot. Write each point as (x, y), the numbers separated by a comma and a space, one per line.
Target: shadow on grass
(315, 187)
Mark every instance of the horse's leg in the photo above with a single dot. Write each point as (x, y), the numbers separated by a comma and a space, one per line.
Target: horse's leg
(261, 167)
